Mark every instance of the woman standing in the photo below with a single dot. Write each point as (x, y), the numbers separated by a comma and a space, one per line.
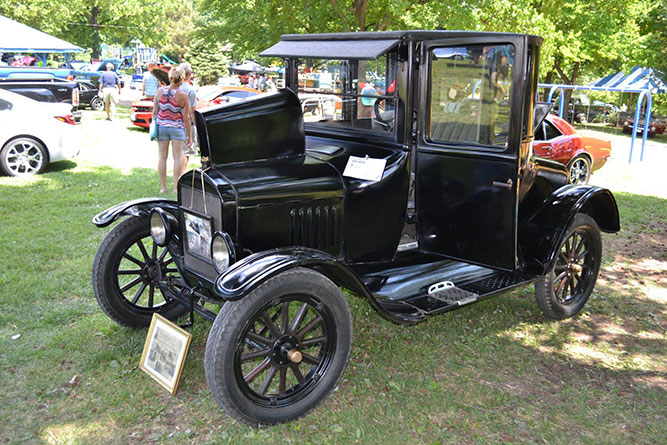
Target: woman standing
(171, 110)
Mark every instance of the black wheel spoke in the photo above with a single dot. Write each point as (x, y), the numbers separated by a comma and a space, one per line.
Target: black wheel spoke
(260, 339)
(313, 341)
(268, 322)
(285, 317)
(142, 248)
(129, 272)
(257, 371)
(560, 276)
(563, 294)
(582, 255)
(297, 373)
(131, 284)
(254, 355)
(164, 254)
(563, 258)
(151, 295)
(154, 251)
(581, 244)
(317, 320)
(309, 359)
(171, 270)
(267, 381)
(139, 292)
(133, 259)
(282, 381)
(299, 317)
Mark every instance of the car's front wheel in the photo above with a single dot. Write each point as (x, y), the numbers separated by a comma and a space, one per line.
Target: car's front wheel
(565, 289)
(276, 354)
(126, 269)
(23, 156)
(97, 104)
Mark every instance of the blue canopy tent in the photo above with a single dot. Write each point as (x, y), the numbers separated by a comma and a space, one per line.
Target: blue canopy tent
(19, 38)
(643, 81)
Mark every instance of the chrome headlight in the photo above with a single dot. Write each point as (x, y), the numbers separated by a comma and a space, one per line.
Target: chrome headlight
(163, 225)
(222, 251)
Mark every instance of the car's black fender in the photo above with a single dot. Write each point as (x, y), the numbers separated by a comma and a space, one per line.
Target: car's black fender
(138, 207)
(543, 231)
(249, 273)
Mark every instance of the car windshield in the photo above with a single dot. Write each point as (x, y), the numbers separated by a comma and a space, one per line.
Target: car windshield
(359, 94)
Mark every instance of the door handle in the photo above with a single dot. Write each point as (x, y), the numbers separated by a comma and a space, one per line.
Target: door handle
(507, 185)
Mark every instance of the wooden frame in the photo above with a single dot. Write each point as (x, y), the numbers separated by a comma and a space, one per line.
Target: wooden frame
(164, 352)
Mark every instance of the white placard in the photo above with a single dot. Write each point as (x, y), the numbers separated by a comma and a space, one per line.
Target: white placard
(365, 168)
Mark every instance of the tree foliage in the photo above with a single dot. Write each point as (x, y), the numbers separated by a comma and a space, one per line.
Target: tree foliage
(208, 61)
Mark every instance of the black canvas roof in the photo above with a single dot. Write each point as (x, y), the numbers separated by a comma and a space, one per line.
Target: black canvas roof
(360, 45)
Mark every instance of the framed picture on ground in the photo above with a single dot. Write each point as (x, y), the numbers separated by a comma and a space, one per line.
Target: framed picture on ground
(164, 352)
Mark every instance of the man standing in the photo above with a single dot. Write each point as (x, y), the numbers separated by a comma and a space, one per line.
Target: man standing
(187, 88)
(109, 82)
(150, 85)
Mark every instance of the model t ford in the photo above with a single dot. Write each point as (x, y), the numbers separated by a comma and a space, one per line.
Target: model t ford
(397, 165)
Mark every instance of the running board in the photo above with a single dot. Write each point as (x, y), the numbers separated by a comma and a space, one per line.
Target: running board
(446, 296)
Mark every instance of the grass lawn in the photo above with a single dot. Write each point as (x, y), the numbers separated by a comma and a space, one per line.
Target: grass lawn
(496, 371)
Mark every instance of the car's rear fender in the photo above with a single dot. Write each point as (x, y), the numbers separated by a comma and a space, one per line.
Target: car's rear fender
(249, 273)
(542, 232)
(138, 207)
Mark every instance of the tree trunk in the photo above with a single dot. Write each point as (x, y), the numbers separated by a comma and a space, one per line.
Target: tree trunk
(571, 80)
(92, 20)
(360, 7)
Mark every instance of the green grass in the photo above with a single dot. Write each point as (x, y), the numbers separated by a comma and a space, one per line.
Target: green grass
(497, 371)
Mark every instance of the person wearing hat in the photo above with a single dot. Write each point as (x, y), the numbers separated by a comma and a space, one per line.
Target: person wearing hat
(108, 84)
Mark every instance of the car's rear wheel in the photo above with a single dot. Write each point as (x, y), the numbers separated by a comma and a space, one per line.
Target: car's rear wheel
(565, 289)
(126, 270)
(97, 104)
(276, 354)
(23, 156)
(579, 170)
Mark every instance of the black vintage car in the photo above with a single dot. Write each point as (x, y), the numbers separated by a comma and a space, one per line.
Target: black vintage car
(421, 195)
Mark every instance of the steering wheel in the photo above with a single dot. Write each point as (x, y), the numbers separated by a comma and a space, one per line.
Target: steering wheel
(384, 118)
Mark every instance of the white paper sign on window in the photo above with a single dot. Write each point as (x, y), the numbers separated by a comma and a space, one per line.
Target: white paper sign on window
(365, 168)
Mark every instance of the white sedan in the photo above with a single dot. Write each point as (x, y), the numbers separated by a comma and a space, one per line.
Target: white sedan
(34, 134)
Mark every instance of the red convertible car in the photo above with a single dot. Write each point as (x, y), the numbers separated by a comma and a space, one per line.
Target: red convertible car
(556, 139)
(142, 109)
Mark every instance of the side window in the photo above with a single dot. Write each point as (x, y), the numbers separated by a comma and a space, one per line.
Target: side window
(551, 131)
(470, 90)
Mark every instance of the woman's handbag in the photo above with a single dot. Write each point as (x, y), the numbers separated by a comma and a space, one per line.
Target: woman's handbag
(153, 130)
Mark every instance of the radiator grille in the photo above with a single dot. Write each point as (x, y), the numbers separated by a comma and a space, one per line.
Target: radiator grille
(314, 227)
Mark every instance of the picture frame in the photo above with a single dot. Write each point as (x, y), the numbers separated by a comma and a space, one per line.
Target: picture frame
(164, 352)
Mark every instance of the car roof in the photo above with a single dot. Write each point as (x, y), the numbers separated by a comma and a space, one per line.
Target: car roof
(367, 45)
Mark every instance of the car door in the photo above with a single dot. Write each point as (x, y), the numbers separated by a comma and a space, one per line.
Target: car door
(471, 105)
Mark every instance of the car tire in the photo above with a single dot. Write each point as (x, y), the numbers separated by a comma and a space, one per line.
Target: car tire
(565, 289)
(249, 369)
(579, 170)
(125, 270)
(97, 104)
(582, 118)
(24, 156)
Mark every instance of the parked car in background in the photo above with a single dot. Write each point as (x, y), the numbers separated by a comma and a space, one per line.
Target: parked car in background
(88, 96)
(92, 72)
(655, 126)
(556, 139)
(34, 134)
(142, 109)
(586, 112)
(49, 90)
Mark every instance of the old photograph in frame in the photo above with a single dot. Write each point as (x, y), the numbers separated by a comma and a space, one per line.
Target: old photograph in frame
(164, 352)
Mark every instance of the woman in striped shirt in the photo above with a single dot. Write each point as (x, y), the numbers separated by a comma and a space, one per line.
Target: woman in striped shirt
(171, 110)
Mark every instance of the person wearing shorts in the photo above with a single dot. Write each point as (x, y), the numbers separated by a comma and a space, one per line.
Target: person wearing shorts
(171, 112)
(108, 84)
(186, 87)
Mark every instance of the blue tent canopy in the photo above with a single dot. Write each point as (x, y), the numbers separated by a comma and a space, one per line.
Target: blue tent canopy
(639, 78)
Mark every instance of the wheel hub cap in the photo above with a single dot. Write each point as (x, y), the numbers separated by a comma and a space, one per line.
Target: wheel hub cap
(286, 350)
(151, 272)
